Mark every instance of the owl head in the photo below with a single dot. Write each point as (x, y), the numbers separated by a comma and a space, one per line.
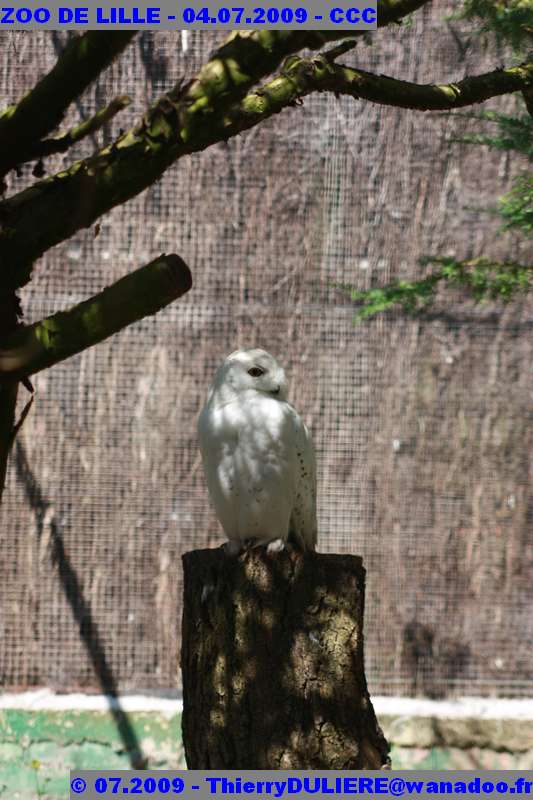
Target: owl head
(252, 370)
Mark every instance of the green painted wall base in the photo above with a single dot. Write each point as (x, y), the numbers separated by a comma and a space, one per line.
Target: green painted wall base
(38, 748)
(459, 743)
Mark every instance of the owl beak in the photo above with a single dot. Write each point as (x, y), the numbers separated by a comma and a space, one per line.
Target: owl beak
(276, 391)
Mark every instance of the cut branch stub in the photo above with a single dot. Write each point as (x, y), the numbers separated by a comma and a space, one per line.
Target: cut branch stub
(140, 293)
(272, 663)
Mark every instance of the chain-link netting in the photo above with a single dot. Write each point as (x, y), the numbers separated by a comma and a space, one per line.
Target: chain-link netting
(422, 427)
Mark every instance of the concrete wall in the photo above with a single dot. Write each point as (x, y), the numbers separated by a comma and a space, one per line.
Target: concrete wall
(38, 748)
(43, 736)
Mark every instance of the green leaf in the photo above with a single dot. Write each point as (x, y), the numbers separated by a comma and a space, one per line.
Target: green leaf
(515, 132)
(511, 21)
(516, 207)
(481, 278)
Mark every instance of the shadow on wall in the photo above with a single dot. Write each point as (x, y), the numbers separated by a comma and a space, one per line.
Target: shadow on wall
(80, 608)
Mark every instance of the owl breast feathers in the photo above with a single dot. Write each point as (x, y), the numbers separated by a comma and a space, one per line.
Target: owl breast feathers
(257, 454)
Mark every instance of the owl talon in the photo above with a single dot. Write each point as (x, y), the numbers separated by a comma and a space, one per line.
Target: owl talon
(275, 546)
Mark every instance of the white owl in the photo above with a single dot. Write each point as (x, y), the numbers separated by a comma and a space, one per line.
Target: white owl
(258, 456)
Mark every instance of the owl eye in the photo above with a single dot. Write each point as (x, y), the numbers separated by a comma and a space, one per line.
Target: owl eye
(256, 372)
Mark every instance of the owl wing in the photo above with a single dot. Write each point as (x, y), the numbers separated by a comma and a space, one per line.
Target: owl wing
(218, 441)
(303, 521)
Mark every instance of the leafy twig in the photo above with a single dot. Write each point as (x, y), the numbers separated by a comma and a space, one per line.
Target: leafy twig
(482, 278)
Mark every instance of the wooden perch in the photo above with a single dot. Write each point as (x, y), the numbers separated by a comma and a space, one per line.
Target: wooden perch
(272, 663)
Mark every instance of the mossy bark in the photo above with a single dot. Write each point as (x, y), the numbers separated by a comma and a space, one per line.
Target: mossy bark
(178, 124)
(188, 119)
(272, 663)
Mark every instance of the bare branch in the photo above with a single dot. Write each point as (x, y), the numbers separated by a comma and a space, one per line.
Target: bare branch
(60, 144)
(339, 50)
(141, 293)
(43, 108)
(426, 97)
(394, 10)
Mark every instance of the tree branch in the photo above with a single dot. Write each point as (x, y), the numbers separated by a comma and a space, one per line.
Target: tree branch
(429, 97)
(528, 100)
(394, 10)
(91, 187)
(300, 77)
(245, 58)
(141, 293)
(187, 119)
(43, 108)
(248, 56)
(60, 144)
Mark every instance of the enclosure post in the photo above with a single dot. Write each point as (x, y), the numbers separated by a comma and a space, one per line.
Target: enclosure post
(272, 663)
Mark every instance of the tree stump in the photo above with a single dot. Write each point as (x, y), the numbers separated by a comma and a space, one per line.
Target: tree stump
(272, 663)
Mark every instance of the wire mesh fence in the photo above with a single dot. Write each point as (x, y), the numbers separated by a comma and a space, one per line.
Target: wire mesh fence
(422, 426)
